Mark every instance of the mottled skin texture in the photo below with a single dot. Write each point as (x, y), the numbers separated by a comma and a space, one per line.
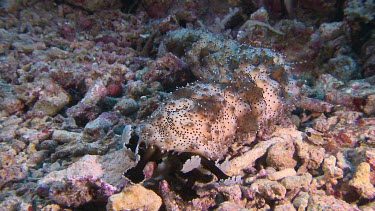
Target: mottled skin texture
(204, 123)
(241, 90)
(208, 118)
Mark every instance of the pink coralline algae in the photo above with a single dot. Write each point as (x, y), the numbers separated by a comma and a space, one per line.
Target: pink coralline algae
(187, 105)
(114, 90)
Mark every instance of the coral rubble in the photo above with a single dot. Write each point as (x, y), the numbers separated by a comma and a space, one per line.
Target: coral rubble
(187, 105)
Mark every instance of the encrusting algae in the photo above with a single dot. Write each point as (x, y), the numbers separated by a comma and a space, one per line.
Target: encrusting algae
(187, 105)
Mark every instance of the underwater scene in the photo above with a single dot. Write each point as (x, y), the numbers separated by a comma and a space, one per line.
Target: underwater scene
(174, 105)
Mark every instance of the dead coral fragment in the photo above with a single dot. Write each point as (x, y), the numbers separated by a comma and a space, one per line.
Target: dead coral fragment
(268, 189)
(134, 198)
(361, 181)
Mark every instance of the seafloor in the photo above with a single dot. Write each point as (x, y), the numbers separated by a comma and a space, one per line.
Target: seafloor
(187, 105)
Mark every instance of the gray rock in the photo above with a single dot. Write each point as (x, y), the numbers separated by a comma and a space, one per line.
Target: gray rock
(298, 181)
(52, 99)
(100, 126)
(92, 178)
(268, 189)
(280, 156)
(78, 148)
(343, 67)
(126, 106)
(63, 136)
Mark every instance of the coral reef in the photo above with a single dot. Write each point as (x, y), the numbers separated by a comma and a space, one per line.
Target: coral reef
(187, 105)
